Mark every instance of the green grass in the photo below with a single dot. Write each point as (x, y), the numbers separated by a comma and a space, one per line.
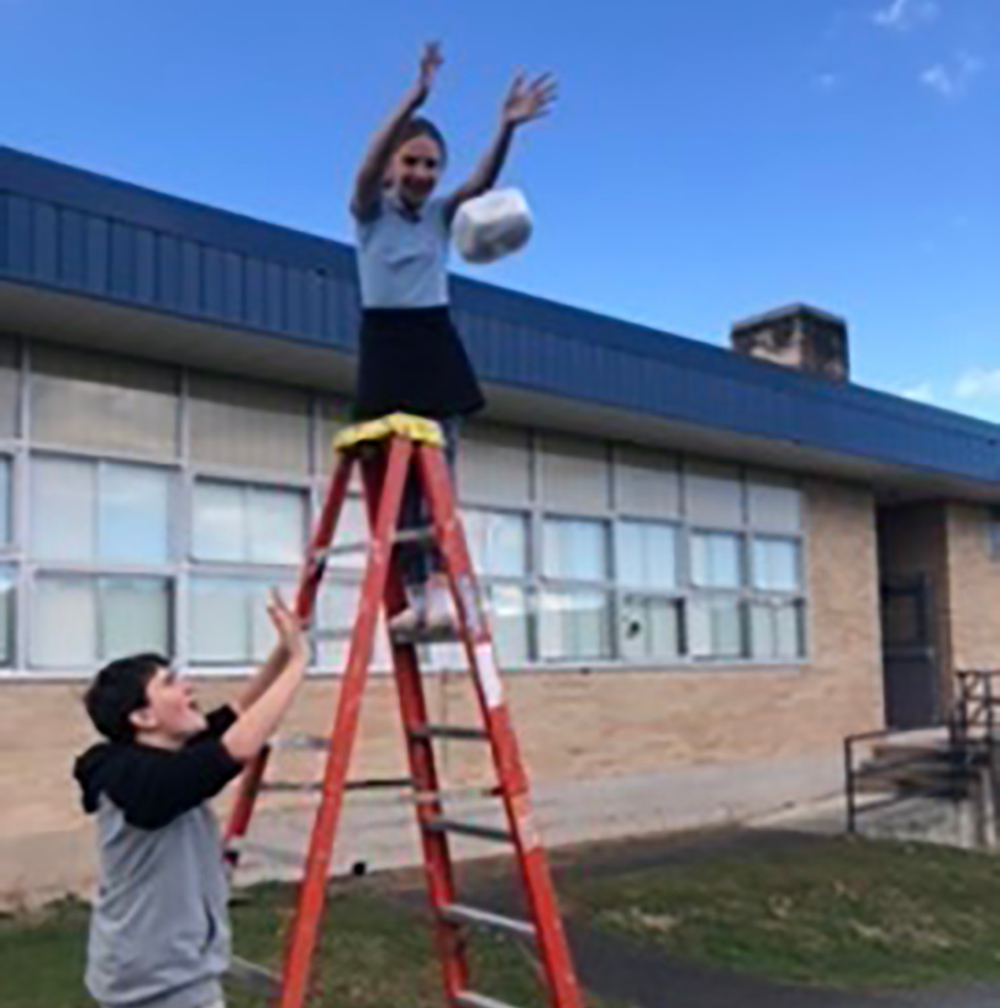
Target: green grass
(840, 913)
(374, 954)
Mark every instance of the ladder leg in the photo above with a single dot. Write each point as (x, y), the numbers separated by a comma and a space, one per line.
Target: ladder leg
(305, 926)
(563, 989)
(420, 751)
(310, 577)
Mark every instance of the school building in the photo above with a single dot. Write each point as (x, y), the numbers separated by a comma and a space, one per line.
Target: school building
(705, 566)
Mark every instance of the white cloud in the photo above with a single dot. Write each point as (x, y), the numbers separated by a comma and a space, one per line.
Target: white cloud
(924, 392)
(978, 383)
(952, 81)
(902, 15)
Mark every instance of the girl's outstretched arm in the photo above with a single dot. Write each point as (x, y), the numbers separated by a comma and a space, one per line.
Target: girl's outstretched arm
(524, 103)
(368, 185)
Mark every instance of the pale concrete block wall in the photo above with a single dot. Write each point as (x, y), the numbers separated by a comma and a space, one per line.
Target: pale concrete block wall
(610, 752)
(974, 589)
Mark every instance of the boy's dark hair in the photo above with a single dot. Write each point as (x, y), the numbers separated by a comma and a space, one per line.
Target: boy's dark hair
(419, 127)
(118, 691)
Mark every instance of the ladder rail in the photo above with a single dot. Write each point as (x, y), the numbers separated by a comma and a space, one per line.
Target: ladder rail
(305, 923)
(563, 989)
(449, 940)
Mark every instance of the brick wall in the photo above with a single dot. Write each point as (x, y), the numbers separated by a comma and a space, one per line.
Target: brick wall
(974, 592)
(610, 752)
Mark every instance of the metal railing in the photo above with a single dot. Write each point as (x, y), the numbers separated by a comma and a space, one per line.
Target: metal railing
(972, 730)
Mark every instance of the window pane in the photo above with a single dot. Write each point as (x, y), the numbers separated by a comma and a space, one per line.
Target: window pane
(775, 505)
(97, 400)
(575, 625)
(134, 513)
(575, 549)
(715, 560)
(277, 523)
(5, 507)
(715, 628)
(776, 630)
(219, 521)
(714, 494)
(351, 528)
(63, 520)
(498, 542)
(510, 622)
(647, 555)
(220, 621)
(64, 626)
(337, 610)
(651, 628)
(135, 616)
(6, 615)
(776, 564)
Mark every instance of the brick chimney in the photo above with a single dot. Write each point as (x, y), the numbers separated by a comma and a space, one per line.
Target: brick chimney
(799, 337)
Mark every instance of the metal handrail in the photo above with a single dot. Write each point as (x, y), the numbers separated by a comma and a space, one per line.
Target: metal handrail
(973, 720)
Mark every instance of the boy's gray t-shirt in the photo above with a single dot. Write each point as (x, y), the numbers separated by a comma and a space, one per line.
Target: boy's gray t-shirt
(159, 930)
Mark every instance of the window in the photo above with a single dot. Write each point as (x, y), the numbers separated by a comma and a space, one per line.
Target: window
(776, 564)
(94, 400)
(79, 621)
(241, 523)
(651, 628)
(6, 616)
(575, 618)
(6, 482)
(228, 620)
(498, 542)
(776, 629)
(716, 560)
(715, 628)
(86, 511)
(336, 611)
(646, 555)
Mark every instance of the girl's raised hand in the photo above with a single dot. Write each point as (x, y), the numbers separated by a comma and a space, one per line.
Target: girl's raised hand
(430, 63)
(526, 102)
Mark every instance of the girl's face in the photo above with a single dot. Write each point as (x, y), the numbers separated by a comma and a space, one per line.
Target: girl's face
(415, 169)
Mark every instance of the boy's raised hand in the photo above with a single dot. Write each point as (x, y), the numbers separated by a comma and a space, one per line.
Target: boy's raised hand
(287, 624)
(525, 102)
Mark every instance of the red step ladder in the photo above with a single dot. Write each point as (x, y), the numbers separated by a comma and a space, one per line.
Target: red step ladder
(386, 451)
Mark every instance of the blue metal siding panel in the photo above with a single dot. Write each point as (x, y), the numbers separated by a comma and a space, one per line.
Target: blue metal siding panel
(4, 232)
(122, 266)
(19, 243)
(72, 250)
(190, 291)
(254, 294)
(168, 271)
(295, 284)
(145, 266)
(95, 251)
(274, 297)
(232, 286)
(45, 243)
(213, 285)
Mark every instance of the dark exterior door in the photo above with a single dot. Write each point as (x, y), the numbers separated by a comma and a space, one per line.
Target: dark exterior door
(909, 655)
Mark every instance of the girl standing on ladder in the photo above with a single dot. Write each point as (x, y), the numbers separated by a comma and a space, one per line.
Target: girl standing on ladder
(412, 357)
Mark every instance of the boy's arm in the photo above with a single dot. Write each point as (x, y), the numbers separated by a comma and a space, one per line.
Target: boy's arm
(523, 104)
(265, 676)
(249, 733)
(368, 185)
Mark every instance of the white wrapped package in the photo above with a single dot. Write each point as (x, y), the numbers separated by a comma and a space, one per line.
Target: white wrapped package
(492, 226)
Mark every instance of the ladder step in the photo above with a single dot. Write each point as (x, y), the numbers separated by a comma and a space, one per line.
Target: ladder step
(435, 635)
(279, 855)
(289, 787)
(455, 794)
(300, 742)
(433, 731)
(470, 999)
(253, 977)
(417, 535)
(459, 914)
(470, 829)
(379, 784)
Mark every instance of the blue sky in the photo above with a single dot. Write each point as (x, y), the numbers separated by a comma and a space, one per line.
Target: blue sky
(709, 159)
